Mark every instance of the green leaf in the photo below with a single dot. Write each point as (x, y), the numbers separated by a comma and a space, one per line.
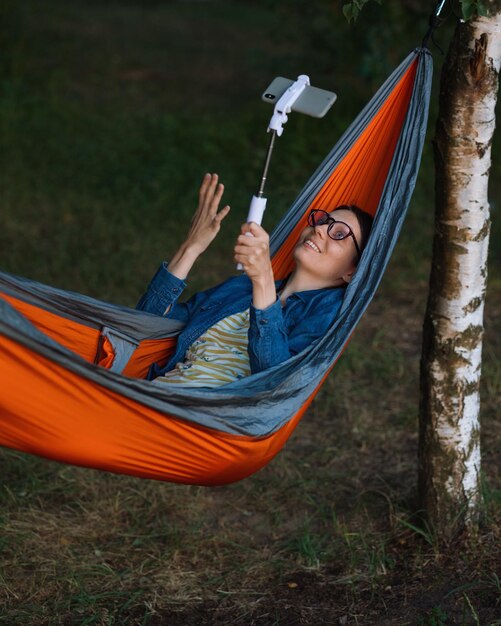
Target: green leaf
(468, 10)
(351, 11)
(348, 11)
(482, 9)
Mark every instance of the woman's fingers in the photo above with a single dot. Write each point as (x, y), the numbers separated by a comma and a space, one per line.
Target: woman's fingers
(258, 242)
(222, 214)
(254, 262)
(254, 229)
(203, 188)
(211, 189)
(207, 188)
(253, 252)
(206, 221)
(216, 198)
(210, 195)
(257, 249)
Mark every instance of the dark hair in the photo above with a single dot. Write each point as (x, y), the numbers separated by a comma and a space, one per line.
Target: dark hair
(364, 220)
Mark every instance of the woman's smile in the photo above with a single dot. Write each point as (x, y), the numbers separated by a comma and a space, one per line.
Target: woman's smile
(310, 244)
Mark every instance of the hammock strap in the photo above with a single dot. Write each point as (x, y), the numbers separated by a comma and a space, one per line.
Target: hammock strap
(435, 21)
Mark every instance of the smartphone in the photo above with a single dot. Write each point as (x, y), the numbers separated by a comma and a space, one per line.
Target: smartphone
(313, 101)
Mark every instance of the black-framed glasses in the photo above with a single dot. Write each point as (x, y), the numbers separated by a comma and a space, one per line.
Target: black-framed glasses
(336, 230)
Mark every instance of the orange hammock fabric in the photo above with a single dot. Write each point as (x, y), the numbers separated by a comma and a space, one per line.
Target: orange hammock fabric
(360, 177)
(77, 412)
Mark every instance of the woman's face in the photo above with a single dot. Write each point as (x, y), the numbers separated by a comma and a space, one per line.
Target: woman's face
(326, 260)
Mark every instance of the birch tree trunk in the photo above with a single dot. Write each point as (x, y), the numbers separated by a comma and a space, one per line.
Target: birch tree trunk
(449, 437)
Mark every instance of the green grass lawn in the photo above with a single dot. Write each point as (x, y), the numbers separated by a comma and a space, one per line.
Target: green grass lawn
(110, 114)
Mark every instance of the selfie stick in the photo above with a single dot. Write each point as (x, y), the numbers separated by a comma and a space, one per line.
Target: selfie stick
(278, 119)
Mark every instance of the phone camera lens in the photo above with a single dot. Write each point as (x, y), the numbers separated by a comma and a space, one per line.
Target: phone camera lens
(269, 96)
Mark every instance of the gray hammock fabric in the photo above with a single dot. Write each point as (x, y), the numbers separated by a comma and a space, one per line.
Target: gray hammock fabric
(260, 404)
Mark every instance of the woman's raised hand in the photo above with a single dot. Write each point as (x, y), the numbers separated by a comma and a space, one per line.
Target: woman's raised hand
(204, 227)
(206, 222)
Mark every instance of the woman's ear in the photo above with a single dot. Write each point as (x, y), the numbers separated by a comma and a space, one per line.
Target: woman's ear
(349, 275)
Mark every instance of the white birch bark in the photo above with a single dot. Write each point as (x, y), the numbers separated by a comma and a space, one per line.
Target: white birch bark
(449, 455)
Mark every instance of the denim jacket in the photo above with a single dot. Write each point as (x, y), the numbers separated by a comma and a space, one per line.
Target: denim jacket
(275, 333)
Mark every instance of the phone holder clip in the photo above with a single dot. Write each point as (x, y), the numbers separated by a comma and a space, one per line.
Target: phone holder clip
(284, 105)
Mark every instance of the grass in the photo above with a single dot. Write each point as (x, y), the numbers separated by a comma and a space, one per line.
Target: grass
(110, 113)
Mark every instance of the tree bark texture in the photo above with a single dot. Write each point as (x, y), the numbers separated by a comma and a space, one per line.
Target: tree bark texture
(449, 438)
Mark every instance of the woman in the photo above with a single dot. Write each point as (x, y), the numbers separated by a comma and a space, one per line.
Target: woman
(251, 322)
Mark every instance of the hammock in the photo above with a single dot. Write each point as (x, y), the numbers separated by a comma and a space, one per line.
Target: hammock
(72, 368)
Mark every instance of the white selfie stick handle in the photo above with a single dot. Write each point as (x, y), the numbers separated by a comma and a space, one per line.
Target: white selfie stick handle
(256, 212)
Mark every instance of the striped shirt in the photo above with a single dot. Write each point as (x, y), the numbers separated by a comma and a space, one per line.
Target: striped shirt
(217, 357)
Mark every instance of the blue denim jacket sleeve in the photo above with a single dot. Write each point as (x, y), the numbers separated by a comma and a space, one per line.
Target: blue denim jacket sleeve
(269, 342)
(164, 291)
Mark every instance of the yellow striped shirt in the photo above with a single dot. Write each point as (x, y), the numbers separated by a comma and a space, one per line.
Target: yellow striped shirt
(217, 357)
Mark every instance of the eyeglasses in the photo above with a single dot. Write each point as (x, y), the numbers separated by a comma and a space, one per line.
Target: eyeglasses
(336, 230)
